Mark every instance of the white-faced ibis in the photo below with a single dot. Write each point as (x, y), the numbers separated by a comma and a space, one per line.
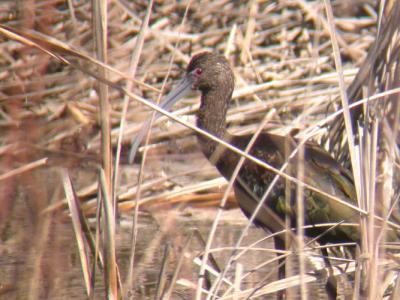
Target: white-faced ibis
(212, 75)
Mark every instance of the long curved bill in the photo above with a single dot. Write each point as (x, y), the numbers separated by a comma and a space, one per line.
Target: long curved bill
(183, 88)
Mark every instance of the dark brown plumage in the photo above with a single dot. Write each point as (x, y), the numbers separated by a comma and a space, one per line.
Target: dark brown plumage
(212, 75)
(214, 78)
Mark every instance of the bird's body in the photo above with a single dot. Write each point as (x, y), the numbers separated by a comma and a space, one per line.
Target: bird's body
(212, 75)
(329, 206)
(321, 171)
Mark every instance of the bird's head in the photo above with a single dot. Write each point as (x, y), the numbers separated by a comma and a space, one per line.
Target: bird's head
(207, 71)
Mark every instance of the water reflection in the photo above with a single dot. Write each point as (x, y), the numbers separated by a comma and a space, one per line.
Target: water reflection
(43, 262)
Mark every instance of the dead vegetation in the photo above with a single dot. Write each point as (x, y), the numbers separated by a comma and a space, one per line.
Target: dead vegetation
(52, 83)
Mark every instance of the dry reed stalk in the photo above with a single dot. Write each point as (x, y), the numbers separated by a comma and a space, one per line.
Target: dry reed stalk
(134, 64)
(281, 52)
(76, 221)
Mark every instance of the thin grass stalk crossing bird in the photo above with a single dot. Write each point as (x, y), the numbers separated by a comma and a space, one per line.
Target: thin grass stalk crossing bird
(212, 75)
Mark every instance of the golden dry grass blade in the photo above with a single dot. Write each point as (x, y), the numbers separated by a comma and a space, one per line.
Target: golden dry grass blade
(24, 168)
(344, 99)
(73, 205)
(97, 253)
(61, 51)
(100, 17)
(396, 289)
(162, 276)
(286, 283)
(134, 64)
(133, 67)
(372, 75)
(109, 246)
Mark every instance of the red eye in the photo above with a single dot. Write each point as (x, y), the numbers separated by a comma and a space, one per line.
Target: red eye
(198, 71)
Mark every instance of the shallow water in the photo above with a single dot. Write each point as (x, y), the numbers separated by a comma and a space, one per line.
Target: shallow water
(43, 262)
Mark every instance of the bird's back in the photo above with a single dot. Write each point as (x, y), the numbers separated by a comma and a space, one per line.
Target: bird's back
(321, 171)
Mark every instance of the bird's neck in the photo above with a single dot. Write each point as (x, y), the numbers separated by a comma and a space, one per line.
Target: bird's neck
(212, 118)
